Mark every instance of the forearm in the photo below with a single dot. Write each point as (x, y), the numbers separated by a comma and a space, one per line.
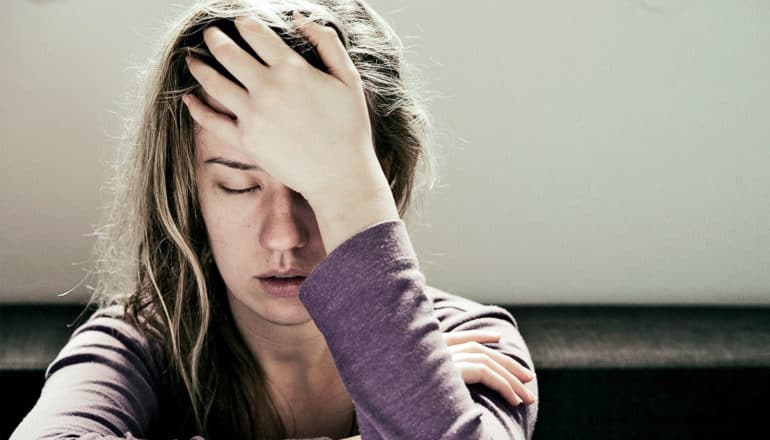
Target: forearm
(368, 300)
(351, 206)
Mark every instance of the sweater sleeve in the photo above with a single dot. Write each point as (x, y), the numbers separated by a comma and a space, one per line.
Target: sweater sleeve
(368, 299)
(100, 386)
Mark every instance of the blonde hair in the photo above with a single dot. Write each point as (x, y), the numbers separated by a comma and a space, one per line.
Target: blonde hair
(152, 254)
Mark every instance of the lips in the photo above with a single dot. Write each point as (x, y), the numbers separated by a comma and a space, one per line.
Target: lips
(287, 272)
(282, 287)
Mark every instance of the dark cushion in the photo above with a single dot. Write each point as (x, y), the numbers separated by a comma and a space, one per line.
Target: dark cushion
(604, 371)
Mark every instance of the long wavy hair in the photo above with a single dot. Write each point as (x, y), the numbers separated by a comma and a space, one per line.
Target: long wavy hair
(151, 253)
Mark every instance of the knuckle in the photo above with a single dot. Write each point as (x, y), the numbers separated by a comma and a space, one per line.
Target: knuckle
(293, 62)
(468, 345)
(224, 49)
(486, 371)
(512, 379)
(479, 358)
(463, 356)
(474, 371)
(473, 346)
(477, 345)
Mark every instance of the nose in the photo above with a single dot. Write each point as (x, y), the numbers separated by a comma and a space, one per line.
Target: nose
(284, 227)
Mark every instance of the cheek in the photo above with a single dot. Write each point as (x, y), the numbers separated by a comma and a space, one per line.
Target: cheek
(225, 220)
(229, 228)
(234, 248)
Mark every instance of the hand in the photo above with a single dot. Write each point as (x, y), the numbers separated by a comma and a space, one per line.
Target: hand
(481, 364)
(306, 128)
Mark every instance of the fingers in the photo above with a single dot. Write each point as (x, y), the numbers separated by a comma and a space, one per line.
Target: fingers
(225, 91)
(216, 123)
(475, 372)
(274, 51)
(509, 364)
(265, 42)
(331, 50)
(480, 336)
(481, 364)
(471, 341)
(237, 61)
(478, 367)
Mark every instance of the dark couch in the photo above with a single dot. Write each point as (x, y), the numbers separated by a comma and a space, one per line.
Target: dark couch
(605, 372)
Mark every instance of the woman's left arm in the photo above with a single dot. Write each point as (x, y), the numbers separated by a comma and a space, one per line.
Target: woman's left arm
(368, 299)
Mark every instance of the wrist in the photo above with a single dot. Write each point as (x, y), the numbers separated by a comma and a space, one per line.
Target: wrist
(366, 177)
(352, 207)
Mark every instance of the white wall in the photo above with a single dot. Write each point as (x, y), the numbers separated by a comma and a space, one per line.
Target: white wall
(592, 152)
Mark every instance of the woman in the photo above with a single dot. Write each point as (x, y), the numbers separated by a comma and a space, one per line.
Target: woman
(257, 280)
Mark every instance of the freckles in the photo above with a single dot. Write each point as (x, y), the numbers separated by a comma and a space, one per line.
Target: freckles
(232, 226)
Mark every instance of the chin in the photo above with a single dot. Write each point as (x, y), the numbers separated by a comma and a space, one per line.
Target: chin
(283, 311)
(287, 315)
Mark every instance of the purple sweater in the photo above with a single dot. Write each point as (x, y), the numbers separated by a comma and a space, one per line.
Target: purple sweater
(382, 324)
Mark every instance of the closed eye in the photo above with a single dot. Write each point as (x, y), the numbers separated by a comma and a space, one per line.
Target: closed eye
(239, 191)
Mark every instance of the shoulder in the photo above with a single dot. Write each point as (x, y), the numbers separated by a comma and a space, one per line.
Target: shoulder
(107, 337)
(455, 311)
(104, 380)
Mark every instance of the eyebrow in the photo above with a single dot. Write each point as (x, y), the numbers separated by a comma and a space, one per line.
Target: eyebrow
(233, 164)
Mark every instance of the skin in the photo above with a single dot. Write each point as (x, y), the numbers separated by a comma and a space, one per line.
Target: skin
(298, 214)
(249, 233)
(309, 132)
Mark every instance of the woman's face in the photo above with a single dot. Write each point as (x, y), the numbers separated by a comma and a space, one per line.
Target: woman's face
(266, 228)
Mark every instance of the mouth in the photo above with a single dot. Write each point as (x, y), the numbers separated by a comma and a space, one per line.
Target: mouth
(282, 287)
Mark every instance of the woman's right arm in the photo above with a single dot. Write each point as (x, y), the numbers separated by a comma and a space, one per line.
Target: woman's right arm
(100, 386)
